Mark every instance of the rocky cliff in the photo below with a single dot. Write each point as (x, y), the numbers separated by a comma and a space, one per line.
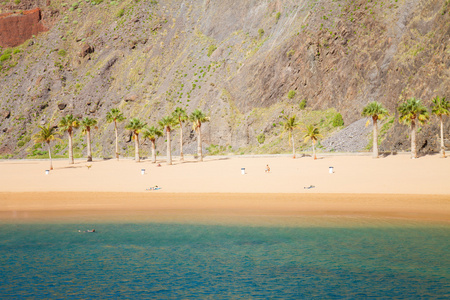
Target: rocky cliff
(246, 63)
(16, 28)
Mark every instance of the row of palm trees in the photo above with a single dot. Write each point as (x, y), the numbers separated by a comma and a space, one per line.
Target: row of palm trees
(167, 124)
(49, 133)
(311, 133)
(69, 123)
(411, 112)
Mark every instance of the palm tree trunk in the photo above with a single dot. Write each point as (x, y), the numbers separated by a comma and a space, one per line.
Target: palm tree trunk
(375, 138)
(70, 149)
(89, 152)
(314, 150)
(169, 153)
(442, 138)
(199, 144)
(50, 155)
(153, 152)
(413, 139)
(117, 140)
(293, 145)
(136, 148)
(181, 143)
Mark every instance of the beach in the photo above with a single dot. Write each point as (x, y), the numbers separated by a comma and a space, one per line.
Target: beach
(392, 187)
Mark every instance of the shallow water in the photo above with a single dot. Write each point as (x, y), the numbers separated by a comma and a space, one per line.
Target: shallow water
(172, 261)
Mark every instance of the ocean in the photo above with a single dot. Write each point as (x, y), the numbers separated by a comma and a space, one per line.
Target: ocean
(169, 260)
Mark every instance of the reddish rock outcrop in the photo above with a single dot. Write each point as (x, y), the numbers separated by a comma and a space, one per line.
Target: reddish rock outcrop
(16, 28)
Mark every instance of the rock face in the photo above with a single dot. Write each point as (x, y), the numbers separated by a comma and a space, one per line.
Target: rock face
(16, 28)
(235, 60)
(352, 138)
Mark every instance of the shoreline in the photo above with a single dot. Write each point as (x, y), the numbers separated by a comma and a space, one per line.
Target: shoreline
(221, 206)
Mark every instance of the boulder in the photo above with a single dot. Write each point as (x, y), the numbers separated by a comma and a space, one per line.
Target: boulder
(5, 114)
(86, 49)
(93, 109)
(130, 98)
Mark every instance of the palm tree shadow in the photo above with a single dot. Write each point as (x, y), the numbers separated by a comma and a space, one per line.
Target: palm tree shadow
(310, 156)
(20, 163)
(214, 159)
(70, 167)
(386, 154)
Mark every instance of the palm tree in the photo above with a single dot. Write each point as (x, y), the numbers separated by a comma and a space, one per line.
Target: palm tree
(115, 116)
(376, 111)
(441, 107)
(180, 115)
(86, 125)
(312, 133)
(289, 125)
(410, 111)
(197, 117)
(151, 134)
(69, 123)
(167, 123)
(46, 135)
(136, 125)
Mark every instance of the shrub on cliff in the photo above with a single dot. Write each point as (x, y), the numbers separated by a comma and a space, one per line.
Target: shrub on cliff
(277, 16)
(302, 104)
(337, 120)
(5, 56)
(211, 49)
(291, 94)
(261, 138)
(260, 32)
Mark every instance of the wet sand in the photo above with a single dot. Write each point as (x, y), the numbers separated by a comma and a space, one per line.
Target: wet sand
(129, 206)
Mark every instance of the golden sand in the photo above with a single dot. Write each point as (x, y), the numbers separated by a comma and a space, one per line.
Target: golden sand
(394, 187)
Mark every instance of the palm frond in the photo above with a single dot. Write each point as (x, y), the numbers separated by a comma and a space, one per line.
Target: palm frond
(411, 110)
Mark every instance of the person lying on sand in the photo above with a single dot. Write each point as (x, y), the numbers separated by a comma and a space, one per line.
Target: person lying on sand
(309, 187)
(155, 188)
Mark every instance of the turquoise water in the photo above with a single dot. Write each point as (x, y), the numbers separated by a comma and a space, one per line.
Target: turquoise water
(188, 261)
